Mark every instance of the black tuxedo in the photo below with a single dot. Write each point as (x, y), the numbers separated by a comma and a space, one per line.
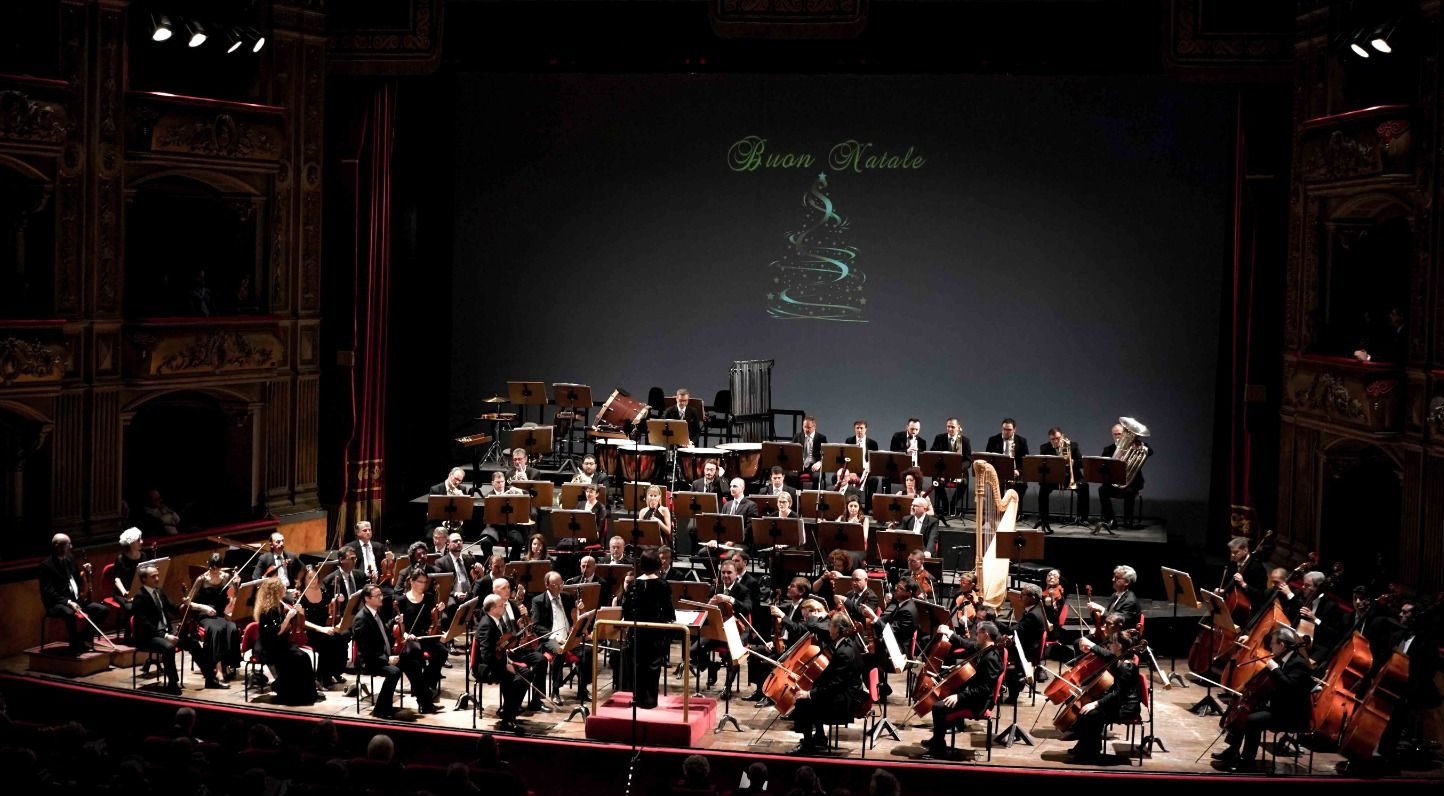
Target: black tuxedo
(1020, 449)
(378, 554)
(1044, 490)
(899, 443)
(905, 618)
(541, 611)
(373, 652)
(490, 667)
(153, 621)
(693, 418)
(818, 440)
(1031, 629)
(940, 443)
(870, 446)
(748, 510)
(1125, 603)
(55, 577)
(532, 474)
(768, 490)
(718, 488)
(292, 565)
(1288, 706)
(931, 529)
(335, 583)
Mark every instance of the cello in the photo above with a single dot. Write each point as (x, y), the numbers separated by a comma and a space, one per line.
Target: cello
(797, 670)
(1089, 666)
(1249, 657)
(1339, 699)
(955, 679)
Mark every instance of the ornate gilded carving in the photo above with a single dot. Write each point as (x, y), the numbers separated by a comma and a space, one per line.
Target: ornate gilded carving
(1328, 393)
(1338, 156)
(218, 350)
(24, 119)
(29, 360)
(221, 135)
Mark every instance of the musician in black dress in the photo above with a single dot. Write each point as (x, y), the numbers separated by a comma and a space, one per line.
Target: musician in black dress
(974, 696)
(836, 694)
(1286, 707)
(214, 589)
(295, 682)
(648, 599)
(1122, 702)
(416, 609)
(122, 574)
(61, 593)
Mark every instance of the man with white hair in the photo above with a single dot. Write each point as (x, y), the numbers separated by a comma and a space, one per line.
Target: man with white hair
(61, 592)
(453, 485)
(1123, 602)
(491, 664)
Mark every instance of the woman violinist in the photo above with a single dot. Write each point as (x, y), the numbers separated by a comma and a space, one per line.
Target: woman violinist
(974, 695)
(215, 589)
(418, 610)
(1122, 702)
(122, 573)
(295, 674)
(1280, 700)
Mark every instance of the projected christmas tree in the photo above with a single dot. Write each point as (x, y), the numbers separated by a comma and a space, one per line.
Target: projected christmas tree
(817, 278)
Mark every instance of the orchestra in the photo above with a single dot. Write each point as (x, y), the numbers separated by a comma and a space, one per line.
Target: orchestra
(1299, 649)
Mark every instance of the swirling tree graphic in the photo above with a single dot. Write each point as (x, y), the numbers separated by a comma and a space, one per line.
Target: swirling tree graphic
(817, 278)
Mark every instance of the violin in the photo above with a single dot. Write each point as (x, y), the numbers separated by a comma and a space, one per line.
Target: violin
(1098, 620)
(297, 629)
(387, 575)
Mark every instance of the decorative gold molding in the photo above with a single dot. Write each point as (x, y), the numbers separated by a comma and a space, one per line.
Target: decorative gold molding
(27, 361)
(24, 119)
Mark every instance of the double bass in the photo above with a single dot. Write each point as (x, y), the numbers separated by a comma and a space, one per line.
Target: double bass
(1250, 657)
(1234, 594)
(1364, 729)
(1339, 698)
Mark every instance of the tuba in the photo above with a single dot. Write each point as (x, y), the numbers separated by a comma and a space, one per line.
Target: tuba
(1133, 455)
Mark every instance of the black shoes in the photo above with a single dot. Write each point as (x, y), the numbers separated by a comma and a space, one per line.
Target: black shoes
(1226, 756)
(387, 712)
(217, 684)
(429, 709)
(540, 707)
(936, 749)
(510, 725)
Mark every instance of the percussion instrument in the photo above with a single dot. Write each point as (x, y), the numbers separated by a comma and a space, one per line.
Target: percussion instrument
(609, 457)
(742, 459)
(692, 461)
(641, 462)
(495, 399)
(473, 440)
(504, 417)
(622, 411)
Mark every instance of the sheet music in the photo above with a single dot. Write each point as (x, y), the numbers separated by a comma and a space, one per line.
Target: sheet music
(894, 652)
(735, 647)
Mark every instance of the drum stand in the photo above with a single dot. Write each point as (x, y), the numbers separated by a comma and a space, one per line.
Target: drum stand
(493, 452)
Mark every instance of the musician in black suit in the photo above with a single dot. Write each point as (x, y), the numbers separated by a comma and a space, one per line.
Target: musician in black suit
(1281, 593)
(1320, 608)
(910, 439)
(1247, 572)
(369, 553)
(860, 437)
(1122, 702)
(1129, 492)
(520, 470)
(974, 696)
(1054, 447)
(1286, 707)
(859, 596)
(919, 521)
(740, 597)
(711, 482)
(279, 562)
(903, 613)
(375, 655)
(453, 485)
(346, 579)
(681, 409)
(953, 440)
(836, 695)
(1008, 441)
(60, 591)
(670, 572)
(1031, 628)
(811, 443)
(156, 627)
(1123, 602)
(551, 616)
(589, 474)
(492, 665)
(777, 485)
(739, 504)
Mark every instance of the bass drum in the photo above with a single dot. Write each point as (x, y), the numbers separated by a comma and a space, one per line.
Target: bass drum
(693, 461)
(742, 459)
(622, 412)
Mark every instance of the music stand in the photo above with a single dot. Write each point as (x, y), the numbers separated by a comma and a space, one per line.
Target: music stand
(572, 494)
(535, 440)
(577, 399)
(503, 510)
(542, 492)
(460, 621)
(527, 393)
(639, 533)
(530, 574)
(820, 504)
(634, 495)
(787, 455)
(348, 615)
(888, 465)
(1019, 545)
(687, 505)
(245, 597)
(574, 524)
(585, 594)
(779, 532)
(449, 509)
(835, 535)
(836, 455)
(1003, 464)
(441, 583)
(1178, 586)
(614, 575)
(898, 543)
(891, 508)
(695, 591)
(725, 529)
(1103, 470)
(766, 504)
(162, 565)
(668, 433)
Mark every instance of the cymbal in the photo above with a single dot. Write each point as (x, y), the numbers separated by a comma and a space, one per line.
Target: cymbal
(495, 399)
(497, 416)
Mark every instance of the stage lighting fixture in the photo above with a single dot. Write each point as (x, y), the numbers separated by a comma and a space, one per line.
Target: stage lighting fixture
(1358, 49)
(197, 34)
(1380, 38)
(260, 40)
(233, 40)
(160, 27)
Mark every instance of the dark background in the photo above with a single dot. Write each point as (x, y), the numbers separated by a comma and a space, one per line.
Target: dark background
(1057, 259)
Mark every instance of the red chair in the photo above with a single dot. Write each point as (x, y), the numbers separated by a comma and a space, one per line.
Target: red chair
(1062, 623)
(988, 714)
(104, 590)
(251, 659)
(153, 656)
(1134, 735)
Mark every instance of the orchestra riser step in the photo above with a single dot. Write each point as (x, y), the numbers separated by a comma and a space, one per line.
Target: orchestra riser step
(56, 658)
(660, 726)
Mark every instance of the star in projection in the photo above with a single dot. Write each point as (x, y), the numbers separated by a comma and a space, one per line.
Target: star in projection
(817, 278)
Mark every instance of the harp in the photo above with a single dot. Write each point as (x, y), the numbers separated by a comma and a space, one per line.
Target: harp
(997, 510)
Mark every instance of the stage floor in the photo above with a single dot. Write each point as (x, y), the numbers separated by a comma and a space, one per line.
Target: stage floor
(1186, 736)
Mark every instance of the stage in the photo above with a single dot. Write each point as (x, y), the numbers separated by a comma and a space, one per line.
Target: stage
(1187, 737)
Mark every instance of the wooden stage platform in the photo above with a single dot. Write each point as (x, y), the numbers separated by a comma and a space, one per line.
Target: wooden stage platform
(1187, 737)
